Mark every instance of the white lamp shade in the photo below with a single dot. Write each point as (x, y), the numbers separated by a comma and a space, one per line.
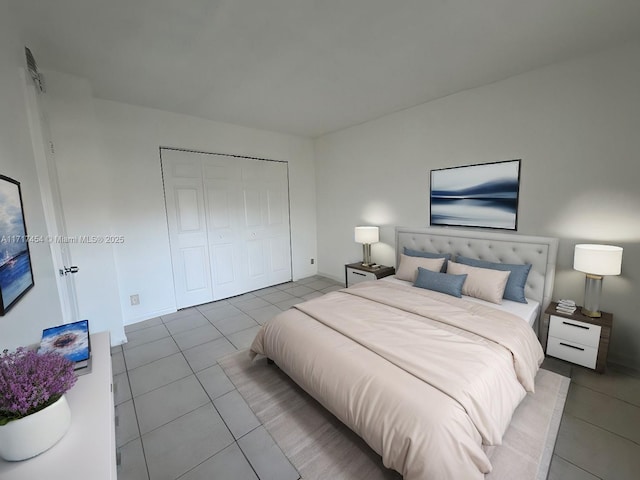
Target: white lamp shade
(597, 259)
(366, 235)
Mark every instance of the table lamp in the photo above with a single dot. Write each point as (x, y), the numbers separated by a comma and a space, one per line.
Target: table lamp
(366, 236)
(596, 261)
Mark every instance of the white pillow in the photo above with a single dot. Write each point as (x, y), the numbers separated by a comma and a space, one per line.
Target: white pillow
(482, 283)
(408, 268)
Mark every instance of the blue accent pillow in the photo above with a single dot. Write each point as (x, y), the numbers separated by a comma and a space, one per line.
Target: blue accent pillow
(517, 278)
(419, 253)
(440, 282)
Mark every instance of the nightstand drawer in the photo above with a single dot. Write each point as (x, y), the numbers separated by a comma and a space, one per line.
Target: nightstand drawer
(357, 276)
(572, 352)
(574, 331)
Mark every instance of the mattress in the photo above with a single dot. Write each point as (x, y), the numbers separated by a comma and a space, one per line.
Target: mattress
(529, 312)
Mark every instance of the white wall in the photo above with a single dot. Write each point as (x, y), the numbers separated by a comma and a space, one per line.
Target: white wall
(40, 307)
(129, 168)
(575, 127)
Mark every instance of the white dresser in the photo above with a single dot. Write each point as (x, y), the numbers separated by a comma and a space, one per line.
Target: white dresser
(88, 450)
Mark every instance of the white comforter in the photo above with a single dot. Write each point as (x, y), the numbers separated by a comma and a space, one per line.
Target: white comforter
(424, 378)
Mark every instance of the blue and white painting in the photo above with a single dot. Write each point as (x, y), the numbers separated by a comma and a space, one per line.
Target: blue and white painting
(70, 340)
(483, 195)
(16, 277)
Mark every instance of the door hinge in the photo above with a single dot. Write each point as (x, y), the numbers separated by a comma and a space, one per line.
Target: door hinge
(51, 147)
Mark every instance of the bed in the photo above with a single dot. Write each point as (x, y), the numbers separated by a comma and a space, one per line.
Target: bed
(427, 379)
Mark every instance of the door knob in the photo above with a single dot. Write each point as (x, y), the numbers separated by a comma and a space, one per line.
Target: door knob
(68, 270)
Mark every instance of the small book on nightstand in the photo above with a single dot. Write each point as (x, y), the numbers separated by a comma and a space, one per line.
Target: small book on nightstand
(71, 341)
(566, 306)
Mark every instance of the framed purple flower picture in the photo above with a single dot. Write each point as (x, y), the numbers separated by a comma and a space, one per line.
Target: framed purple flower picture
(16, 276)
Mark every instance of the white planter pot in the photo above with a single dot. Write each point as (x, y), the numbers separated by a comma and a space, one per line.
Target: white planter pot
(30, 436)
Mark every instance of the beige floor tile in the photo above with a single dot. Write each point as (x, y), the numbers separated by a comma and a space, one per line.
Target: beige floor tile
(197, 336)
(563, 470)
(613, 383)
(158, 374)
(133, 465)
(607, 412)
(184, 443)
(207, 354)
(230, 464)
(165, 404)
(146, 335)
(597, 451)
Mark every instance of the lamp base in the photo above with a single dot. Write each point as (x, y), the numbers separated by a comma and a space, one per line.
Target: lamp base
(590, 313)
(366, 253)
(592, 290)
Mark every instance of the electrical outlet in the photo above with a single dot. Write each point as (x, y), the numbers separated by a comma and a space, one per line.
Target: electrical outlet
(313, 260)
(135, 299)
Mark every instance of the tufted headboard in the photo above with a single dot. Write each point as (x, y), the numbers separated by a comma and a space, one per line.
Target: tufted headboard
(540, 252)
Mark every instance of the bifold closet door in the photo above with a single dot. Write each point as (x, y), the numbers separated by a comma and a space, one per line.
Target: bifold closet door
(266, 231)
(186, 218)
(245, 203)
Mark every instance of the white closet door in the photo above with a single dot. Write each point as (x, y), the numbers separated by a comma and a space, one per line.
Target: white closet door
(245, 243)
(223, 190)
(184, 196)
(274, 232)
(254, 225)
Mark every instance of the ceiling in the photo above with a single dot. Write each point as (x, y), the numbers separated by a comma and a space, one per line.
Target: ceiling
(310, 67)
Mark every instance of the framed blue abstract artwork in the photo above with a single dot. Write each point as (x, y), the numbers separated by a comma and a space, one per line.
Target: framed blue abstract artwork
(70, 340)
(484, 195)
(16, 277)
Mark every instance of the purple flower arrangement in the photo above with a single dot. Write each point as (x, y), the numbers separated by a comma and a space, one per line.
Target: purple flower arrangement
(30, 382)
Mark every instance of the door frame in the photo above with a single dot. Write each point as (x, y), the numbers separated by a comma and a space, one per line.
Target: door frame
(47, 174)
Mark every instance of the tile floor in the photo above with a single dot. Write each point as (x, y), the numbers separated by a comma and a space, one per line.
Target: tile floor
(599, 436)
(179, 416)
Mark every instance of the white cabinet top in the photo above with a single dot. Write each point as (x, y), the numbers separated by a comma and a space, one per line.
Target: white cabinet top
(88, 448)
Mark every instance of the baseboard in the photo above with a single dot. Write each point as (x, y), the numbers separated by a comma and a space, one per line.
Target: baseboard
(626, 369)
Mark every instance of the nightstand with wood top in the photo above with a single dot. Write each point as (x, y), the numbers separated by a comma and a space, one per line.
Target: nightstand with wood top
(356, 273)
(578, 338)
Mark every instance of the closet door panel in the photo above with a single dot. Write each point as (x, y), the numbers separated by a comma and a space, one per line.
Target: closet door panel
(255, 255)
(223, 186)
(194, 260)
(279, 256)
(186, 218)
(222, 257)
(252, 207)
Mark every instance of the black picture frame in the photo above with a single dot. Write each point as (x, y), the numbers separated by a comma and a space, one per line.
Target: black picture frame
(483, 195)
(16, 273)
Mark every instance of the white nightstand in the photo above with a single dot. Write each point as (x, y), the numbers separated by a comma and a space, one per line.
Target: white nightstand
(356, 273)
(579, 339)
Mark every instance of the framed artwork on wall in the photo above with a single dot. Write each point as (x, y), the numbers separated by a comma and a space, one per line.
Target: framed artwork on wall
(16, 276)
(484, 195)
